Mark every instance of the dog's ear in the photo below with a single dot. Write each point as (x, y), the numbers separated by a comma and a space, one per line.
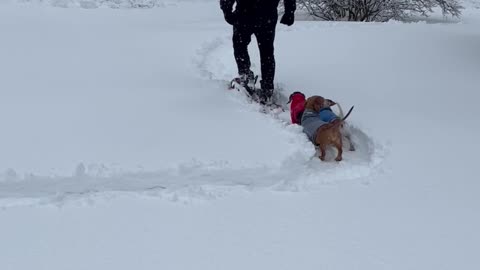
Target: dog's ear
(310, 103)
(317, 106)
(319, 103)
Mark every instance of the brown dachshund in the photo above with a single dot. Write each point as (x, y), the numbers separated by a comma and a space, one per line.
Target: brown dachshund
(330, 133)
(345, 132)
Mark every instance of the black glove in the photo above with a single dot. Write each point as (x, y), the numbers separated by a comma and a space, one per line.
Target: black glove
(230, 17)
(288, 18)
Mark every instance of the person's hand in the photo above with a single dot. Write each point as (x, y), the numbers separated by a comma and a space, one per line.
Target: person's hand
(288, 18)
(230, 17)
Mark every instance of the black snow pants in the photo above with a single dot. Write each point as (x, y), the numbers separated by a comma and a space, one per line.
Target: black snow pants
(265, 35)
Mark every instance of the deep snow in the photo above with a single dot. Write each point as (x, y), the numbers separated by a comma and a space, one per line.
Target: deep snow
(121, 147)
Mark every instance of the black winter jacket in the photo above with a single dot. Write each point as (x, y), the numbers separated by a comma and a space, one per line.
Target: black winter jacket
(257, 9)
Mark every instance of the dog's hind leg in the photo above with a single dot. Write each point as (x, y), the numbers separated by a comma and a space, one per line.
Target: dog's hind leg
(323, 152)
(338, 145)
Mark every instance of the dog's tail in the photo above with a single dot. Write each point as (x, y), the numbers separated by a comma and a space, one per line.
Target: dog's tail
(338, 123)
(348, 113)
(340, 112)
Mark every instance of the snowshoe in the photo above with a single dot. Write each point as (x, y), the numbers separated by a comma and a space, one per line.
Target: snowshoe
(265, 98)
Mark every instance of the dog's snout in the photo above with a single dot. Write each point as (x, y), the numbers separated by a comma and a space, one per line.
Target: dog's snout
(329, 103)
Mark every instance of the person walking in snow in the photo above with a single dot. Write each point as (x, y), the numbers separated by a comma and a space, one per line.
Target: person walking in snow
(259, 18)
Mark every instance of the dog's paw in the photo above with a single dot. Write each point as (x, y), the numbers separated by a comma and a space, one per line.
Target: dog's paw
(338, 159)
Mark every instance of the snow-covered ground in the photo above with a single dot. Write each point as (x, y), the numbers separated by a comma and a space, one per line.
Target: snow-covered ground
(122, 149)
